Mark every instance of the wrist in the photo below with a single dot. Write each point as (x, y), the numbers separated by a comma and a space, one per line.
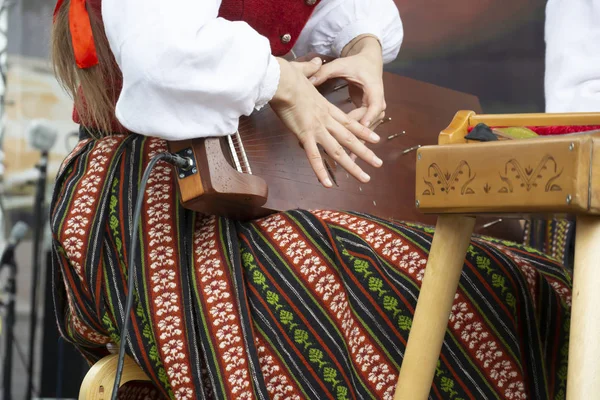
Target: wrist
(361, 44)
(283, 94)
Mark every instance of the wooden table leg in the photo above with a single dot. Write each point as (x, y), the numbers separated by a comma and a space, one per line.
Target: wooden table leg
(442, 273)
(583, 379)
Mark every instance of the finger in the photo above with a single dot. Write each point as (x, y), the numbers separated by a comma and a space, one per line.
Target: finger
(360, 131)
(316, 162)
(309, 68)
(353, 156)
(356, 95)
(378, 121)
(334, 69)
(337, 152)
(356, 146)
(376, 104)
(357, 113)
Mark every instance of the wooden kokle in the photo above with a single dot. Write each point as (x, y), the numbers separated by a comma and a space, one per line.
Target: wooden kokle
(263, 169)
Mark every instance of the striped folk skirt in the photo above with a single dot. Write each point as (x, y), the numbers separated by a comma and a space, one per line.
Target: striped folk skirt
(298, 305)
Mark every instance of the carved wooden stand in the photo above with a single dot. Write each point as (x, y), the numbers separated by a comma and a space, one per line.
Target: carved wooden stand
(542, 176)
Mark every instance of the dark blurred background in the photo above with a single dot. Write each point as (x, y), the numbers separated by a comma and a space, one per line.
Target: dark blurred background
(493, 49)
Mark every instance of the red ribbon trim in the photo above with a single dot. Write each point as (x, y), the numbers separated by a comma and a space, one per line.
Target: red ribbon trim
(58, 6)
(81, 33)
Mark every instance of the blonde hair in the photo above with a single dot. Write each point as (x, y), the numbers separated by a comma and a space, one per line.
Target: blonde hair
(97, 83)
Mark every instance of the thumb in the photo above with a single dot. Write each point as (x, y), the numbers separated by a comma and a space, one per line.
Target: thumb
(309, 68)
(335, 69)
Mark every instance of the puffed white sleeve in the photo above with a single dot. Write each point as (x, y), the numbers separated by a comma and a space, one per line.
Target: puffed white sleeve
(572, 80)
(186, 72)
(335, 23)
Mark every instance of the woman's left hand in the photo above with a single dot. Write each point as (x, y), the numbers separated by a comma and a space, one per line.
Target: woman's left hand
(362, 66)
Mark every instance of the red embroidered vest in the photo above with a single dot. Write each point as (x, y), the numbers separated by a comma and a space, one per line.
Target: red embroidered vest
(281, 21)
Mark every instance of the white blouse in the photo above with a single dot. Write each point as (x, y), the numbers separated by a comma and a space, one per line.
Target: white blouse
(188, 73)
(572, 81)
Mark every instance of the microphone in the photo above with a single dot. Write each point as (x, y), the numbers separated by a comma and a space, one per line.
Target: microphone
(17, 234)
(42, 135)
(1, 162)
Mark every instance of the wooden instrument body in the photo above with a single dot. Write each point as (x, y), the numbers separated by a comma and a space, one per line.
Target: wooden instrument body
(542, 176)
(281, 175)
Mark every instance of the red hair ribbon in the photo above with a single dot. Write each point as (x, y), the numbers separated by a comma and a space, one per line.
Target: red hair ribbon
(81, 33)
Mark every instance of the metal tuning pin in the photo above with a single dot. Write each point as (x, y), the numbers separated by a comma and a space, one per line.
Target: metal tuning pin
(411, 149)
(340, 87)
(379, 122)
(490, 224)
(395, 135)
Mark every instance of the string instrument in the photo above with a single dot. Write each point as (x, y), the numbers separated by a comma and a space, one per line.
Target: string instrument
(262, 168)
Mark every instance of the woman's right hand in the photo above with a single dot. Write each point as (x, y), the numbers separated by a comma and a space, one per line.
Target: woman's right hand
(312, 118)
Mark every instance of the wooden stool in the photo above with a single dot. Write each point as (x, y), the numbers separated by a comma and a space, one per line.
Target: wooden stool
(458, 180)
(98, 382)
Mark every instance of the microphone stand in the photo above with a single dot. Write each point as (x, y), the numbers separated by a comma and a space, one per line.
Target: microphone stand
(38, 233)
(9, 327)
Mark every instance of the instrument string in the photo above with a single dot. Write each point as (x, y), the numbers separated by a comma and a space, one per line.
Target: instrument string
(273, 163)
(262, 171)
(254, 146)
(264, 164)
(317, 184)
(261, 146)
(262, 136)
(344, 183)
(267, 138)
(298, 170)
(263, 131)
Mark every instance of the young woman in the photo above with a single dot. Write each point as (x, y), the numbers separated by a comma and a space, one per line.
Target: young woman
(314, 305)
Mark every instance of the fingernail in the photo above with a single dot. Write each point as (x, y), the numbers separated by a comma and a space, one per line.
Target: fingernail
(312, 79)
(316, 60)
(374, 137)
(367, 123)
(377, 161)
(364, 177)
(328, 182)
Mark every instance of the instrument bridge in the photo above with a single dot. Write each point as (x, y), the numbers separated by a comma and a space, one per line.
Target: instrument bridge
(238, 153)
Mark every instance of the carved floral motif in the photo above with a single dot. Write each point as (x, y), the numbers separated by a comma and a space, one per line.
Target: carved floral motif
(447, 182)
(515, 176)
(529, 178)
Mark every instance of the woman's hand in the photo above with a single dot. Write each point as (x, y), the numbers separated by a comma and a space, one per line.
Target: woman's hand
(316, 121)
(362, 66)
